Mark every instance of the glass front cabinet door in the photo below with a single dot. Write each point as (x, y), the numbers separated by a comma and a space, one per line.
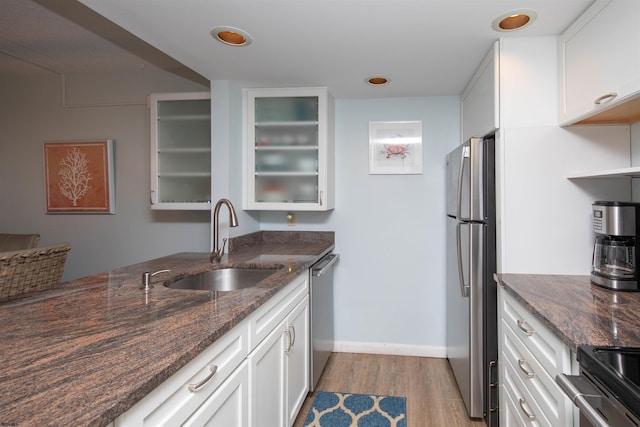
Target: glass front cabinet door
(289, 154)
(181, 151)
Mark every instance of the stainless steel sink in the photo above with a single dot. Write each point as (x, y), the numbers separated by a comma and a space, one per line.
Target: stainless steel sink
(224, 279)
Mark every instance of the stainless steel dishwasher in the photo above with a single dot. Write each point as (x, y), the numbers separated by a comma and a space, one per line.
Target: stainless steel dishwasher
(321, 302)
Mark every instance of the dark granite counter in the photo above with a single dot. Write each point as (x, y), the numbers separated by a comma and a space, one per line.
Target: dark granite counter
(576, 311)
(85, 353)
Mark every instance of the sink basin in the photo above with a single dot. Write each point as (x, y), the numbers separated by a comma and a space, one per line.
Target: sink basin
(223, 280)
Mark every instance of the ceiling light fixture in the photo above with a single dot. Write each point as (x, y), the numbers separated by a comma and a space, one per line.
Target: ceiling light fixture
(231, 36)
(378, 80)
(514, 20)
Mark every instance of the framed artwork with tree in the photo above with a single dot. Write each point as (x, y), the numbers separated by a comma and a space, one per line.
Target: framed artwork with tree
(79, 177)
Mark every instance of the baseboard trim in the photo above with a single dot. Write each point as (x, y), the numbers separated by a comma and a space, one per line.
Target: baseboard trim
(391, 349)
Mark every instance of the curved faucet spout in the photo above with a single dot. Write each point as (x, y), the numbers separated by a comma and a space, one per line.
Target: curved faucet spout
(218, 251)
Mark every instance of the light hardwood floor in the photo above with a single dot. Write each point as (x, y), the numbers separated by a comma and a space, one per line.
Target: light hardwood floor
(427, 383)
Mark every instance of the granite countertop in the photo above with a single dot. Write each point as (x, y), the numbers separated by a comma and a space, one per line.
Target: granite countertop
(85, 353)
(576, 311)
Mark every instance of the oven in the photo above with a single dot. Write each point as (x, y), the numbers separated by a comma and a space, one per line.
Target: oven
(607, 391)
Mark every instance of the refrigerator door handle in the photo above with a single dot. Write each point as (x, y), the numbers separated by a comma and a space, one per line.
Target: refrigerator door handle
(466, 154)
(464, 289)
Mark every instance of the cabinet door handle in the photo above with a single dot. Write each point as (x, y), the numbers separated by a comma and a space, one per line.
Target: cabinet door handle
(528, 372)
(293, 334)
(197, 386)
(524, 327)
(291, 338)
(608, 97)
(528, 413)
(289, 343)
(321, 197)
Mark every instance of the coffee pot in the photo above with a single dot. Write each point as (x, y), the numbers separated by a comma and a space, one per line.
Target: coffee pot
(616, 225)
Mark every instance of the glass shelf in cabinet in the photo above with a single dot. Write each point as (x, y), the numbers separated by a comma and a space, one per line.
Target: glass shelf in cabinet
(184, 107)
(178, 117)
(185, 201)
(283, 173)
(262, 147)
(289, 123)
(184, 174)
(184, 150)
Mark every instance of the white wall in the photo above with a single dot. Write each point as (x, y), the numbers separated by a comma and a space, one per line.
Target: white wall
(32, 111)
(226, 158)
(390, 282)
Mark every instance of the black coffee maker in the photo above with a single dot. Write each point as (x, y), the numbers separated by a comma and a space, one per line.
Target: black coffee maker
(616, 225)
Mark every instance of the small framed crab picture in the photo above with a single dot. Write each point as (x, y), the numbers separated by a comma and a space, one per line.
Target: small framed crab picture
(395, 148)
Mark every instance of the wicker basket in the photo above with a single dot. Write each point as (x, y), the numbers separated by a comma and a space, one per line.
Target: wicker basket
(30, 270)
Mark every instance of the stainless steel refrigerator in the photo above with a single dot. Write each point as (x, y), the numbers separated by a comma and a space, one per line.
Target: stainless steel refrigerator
(472, 341)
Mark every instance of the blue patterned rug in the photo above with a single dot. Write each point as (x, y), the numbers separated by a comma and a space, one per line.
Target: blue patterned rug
(356, 410)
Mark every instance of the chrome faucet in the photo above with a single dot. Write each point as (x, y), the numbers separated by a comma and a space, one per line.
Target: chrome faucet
(218, 251)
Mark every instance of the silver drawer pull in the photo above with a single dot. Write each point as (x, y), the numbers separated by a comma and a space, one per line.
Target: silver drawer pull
(605, 98)
(524, 327)
(529, 373)
(197, 386)
(528, 413)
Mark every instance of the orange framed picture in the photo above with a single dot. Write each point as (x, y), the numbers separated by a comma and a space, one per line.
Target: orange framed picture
(79, 177)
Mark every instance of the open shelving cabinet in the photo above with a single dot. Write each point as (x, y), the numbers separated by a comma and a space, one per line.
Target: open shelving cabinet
(181, 151)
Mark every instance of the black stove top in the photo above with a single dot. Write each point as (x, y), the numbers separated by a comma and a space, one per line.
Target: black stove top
(617, 368)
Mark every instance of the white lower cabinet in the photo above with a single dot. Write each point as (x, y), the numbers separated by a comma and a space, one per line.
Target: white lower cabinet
(257, 374)
(297, 359)
(530, 358)
(180, 396)
(267, 379)
(228, 405)
(280, 371)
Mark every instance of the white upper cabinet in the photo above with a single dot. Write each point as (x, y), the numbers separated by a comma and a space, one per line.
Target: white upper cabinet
(181, 151)
(289, 149)
(599, 61)
(480, 99)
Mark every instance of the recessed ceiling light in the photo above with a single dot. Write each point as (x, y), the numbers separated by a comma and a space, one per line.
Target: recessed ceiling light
(514, 20)
(378, 80)
(231, 36)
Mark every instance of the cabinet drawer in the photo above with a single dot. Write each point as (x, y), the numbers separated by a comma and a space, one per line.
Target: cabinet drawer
(173, 402)
(266, 317)
(228, 405)
(541, 386)
(552, 354)
(523, 406)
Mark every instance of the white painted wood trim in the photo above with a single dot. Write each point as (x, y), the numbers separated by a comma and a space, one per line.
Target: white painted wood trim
(390, 349)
